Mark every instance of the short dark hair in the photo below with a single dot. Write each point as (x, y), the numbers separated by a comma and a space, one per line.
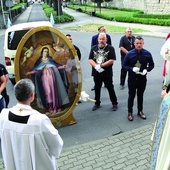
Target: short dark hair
(100, 27)
(69, 35)
(23, 89)
(138, 38)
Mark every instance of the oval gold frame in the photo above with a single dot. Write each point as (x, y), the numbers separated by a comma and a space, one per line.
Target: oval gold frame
(67, 117)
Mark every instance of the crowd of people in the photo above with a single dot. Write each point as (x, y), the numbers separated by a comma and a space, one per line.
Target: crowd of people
(21, 122)
(135, 60)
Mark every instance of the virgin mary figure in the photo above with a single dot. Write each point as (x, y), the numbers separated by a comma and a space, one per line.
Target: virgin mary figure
(51, 83)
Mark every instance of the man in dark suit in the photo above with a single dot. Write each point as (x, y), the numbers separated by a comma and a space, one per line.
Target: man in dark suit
(137, 62)
(126, 44)
(94, 40)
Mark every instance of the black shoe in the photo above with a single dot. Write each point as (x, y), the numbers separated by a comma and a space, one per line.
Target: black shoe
(130, 116)
(93, 88)
(95, 107)
(141, 115)
(114, 108)
(122, 87)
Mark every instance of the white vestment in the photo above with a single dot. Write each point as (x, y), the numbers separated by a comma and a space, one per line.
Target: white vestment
(160, 155)
(34, 145)
(166, 56)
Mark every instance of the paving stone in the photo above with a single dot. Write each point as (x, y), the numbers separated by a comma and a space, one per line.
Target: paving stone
(113, 153)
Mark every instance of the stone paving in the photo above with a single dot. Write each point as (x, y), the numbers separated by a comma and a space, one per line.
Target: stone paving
(125, 151)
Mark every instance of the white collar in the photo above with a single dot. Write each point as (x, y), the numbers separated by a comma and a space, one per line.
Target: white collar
(22, 109)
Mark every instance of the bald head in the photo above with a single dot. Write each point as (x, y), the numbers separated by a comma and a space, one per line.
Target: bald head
(128, 29)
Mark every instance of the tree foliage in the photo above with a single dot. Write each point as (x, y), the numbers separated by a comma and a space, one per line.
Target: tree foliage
(57, 5)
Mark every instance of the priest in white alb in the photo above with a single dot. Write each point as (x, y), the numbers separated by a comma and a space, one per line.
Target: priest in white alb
(160, 153)
(29, 141)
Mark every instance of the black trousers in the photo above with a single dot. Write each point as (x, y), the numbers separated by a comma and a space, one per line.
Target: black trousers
(6, 97)
(138, 86)
(123, 73)
(98, 79)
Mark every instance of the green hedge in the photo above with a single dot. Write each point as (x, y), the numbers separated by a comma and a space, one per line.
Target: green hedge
(137, 17)
(58, 19)
(125, 9)
(16, 10)
(150, 21)
(143, 21)
(154, 16)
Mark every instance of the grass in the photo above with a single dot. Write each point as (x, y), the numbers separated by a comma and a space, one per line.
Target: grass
(105, 11)
(124, 15)
(109, 28)
(113, 13)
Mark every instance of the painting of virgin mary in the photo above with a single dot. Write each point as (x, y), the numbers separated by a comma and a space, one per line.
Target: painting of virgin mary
(51, 83)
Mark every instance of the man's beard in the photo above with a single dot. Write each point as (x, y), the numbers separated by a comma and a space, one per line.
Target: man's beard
(102, 45)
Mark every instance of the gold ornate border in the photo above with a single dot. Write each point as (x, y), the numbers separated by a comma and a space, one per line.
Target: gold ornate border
(67, 117)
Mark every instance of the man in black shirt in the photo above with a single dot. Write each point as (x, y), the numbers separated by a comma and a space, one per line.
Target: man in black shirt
(126, 44)
(101, 58)
(76, 48)
(94, 40)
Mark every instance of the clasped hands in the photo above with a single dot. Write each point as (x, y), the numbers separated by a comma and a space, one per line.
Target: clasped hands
(98, 68)
(136, 70)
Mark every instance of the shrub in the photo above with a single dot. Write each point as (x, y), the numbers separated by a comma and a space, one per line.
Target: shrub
(58, 19)
(143, 21)
(154, 16)
(134, 16)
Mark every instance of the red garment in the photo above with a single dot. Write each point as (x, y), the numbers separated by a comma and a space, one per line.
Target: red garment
(168, 36)
(164, 69)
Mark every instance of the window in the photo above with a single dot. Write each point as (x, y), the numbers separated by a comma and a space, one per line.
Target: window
(14, 38)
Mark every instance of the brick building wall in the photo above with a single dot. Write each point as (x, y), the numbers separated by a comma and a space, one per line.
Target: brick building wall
(157, 6)
(132, 4)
